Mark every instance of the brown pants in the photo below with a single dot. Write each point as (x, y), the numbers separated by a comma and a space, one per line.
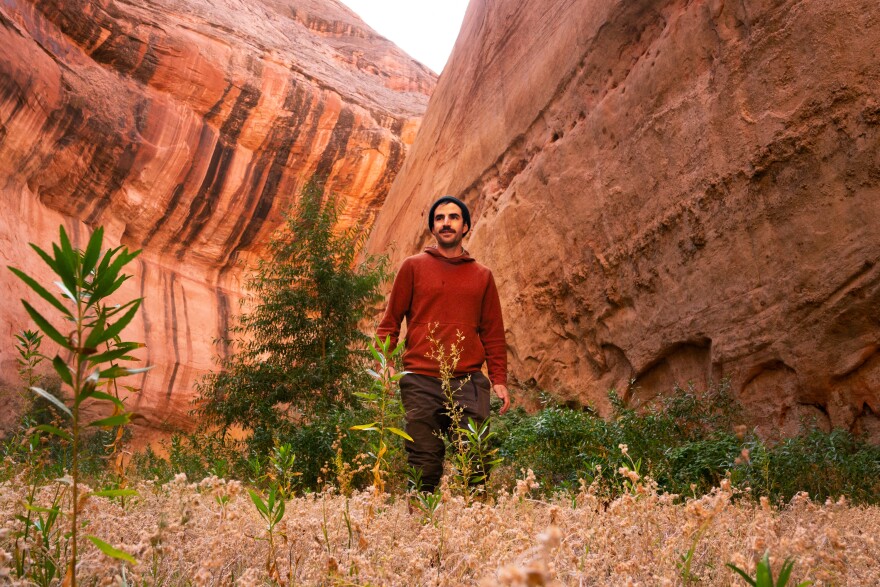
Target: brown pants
(427, 417)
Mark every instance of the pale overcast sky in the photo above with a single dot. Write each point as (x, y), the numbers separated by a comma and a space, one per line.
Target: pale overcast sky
(426, 29)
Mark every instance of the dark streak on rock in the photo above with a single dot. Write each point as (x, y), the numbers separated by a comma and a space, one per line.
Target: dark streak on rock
(202, 205)
(337, 144)
(146, 69)
(206, 138)
(119, 166)
(282, 139)
(223, 324)
(147, 327)
(171, 326)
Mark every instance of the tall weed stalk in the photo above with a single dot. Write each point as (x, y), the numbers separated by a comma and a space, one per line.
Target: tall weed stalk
(87, 278)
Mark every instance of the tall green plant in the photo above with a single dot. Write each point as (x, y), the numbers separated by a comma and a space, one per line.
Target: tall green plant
(297, 343)
(29, 356)
(86, 280)
(385, 407)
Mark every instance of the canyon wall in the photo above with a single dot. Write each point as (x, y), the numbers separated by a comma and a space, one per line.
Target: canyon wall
(186, 128)
(669, 192)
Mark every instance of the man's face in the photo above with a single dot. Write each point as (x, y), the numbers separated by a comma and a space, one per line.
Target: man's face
(449, 226)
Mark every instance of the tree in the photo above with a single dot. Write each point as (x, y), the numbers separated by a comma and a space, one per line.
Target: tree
(297, 346)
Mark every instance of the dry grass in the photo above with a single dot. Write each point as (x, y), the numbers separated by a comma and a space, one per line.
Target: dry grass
(182, 536)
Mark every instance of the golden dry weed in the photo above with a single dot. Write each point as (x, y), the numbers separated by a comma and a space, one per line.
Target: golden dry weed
(182, 535)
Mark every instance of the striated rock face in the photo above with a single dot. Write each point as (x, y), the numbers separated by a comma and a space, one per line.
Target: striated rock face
(670, 191)
(186, 128)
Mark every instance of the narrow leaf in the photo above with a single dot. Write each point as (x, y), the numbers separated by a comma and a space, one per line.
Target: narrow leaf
(785, 572)
(364, 426)
(113, 354)
(107, 397)
(65, 267)
(67, 293)
(58, 403)
(113, 372)
(377, 355)
(117, 420)
(43, 292)
(48, 428)
(399, 432)
(47, 258)
(115, 493)
(40, 509)
(97, 335)
(117, 326)
(93, 250)
(46, 327)
(258, 501)
(63, 370)
(110, 551)
(139, 370)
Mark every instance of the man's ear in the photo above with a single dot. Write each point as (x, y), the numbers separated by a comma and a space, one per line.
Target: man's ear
(467, 231)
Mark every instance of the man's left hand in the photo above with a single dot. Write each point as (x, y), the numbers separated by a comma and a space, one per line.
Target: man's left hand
(503, 395)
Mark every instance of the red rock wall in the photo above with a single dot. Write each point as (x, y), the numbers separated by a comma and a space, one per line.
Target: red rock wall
(186, 128)
(669, 191)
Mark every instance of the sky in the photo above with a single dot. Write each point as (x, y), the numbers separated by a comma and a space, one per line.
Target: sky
(425, 29)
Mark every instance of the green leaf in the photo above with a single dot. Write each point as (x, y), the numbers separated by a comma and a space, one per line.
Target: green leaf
(63, 370)
(115, 353)
(96, 336)
(67, 293)
(47, 258)
(378, 356)
(117, 420)
(742, 574)
(110, 551)
(66, 247)
(364, 426)
(41, 291)
(763, 575)
(258, 501)
(113, 372)
(115, 493)
(66, 266)
(279, 511)
(93, 250)
(139, 370)
(372, 373)
(58, 403)
(113, 329)
(107, 397)
(48, 428)
(785, 572)
(46, 327)
(40, 509)
(399, 432)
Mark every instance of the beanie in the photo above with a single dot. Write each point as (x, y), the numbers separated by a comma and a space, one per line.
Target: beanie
(465, 213)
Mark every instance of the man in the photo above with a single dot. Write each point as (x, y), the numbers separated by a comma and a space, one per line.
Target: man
(440, 292)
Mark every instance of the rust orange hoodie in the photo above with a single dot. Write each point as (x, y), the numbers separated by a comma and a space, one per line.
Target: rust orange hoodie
(456, 294)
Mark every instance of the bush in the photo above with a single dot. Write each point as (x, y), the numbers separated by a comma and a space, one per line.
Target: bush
(686, 444)
(298, 352)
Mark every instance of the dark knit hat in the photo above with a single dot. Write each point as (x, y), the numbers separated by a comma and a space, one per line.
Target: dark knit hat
(465, 213)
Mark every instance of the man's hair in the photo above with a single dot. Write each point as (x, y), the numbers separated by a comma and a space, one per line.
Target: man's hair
(465, 213)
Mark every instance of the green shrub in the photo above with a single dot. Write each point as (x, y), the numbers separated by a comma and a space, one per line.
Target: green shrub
(824, 464)
(298, 352)
(686, 444)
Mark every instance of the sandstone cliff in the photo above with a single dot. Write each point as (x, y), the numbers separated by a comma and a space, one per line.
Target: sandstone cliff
(186, 128)
(669, 191)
